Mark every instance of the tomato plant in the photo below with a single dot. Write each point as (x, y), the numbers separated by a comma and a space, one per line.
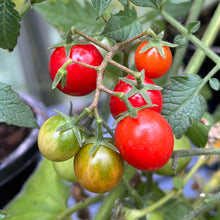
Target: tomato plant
(80, 80)
(65, 170)
(179, 144)
(145, 142)
(99, 172)
(57, 145)
(144, 137)
(118, 106)
(151, 61)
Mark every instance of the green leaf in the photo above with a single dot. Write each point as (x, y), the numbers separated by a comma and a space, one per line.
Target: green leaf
(65, 116)
(145, 3)
(124, 2)
(183, 103)
(180, 40)
(177, 10)
(64, 14)
(214, 84)
(77, 133)
(9, 26)
(14, 110)
(193, 27)
(123, 25)
(44, 196)
(176, 208)
(100, 6)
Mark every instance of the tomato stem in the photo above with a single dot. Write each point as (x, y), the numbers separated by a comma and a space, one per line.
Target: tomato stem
(82, 34)
(133, 193)
(79, 206)
(123, 68)
(196, 152)
(208, 38)
(214, 57)
(146, 32)
(99, 122)
(180, 52)
(138, 213)
(86, 65)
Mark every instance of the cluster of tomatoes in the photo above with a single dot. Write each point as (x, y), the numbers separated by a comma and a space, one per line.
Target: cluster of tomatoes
(145, 142)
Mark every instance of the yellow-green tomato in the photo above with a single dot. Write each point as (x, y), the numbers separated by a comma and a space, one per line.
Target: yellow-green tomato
(65, 170)
(57, 145)
(99, 172)
(179, 144)
(155, 216)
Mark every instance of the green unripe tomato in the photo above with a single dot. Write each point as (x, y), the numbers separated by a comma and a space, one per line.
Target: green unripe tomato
(155, 216)
(179, 144)
(65, 170)
(57, 145)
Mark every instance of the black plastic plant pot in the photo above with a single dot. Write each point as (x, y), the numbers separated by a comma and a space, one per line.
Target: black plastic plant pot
(20, 163)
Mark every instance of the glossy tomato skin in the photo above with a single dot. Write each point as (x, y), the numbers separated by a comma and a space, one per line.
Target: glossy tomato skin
(145, 142)
(100, 172)
(57, 145)
(117, 106)
(152, 62)
(81, 80)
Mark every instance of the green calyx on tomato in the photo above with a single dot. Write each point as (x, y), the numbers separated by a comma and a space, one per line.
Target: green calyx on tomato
(77, 80)
(179, 144)
(57, 145)
(100, 171)
(148, 94)
(65, 170)
(145, 142)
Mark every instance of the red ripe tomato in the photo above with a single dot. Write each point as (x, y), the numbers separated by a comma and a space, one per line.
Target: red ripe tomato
(118, 106)
(145, 142)
(152, 62)
(81, 80)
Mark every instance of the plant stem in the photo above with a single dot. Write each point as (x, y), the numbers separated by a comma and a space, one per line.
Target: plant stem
(143, 212)
(214, 57)
(200, 162)
(105, 125)
(196, 152)
(146, 32)
(209, 76)
(208, 39)
(212, 202)
(133, 193)
(124, 68)
(79, 206)
(85, 64)
(171, 194)
(82, 34)
(149, 176)
(180, 52)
